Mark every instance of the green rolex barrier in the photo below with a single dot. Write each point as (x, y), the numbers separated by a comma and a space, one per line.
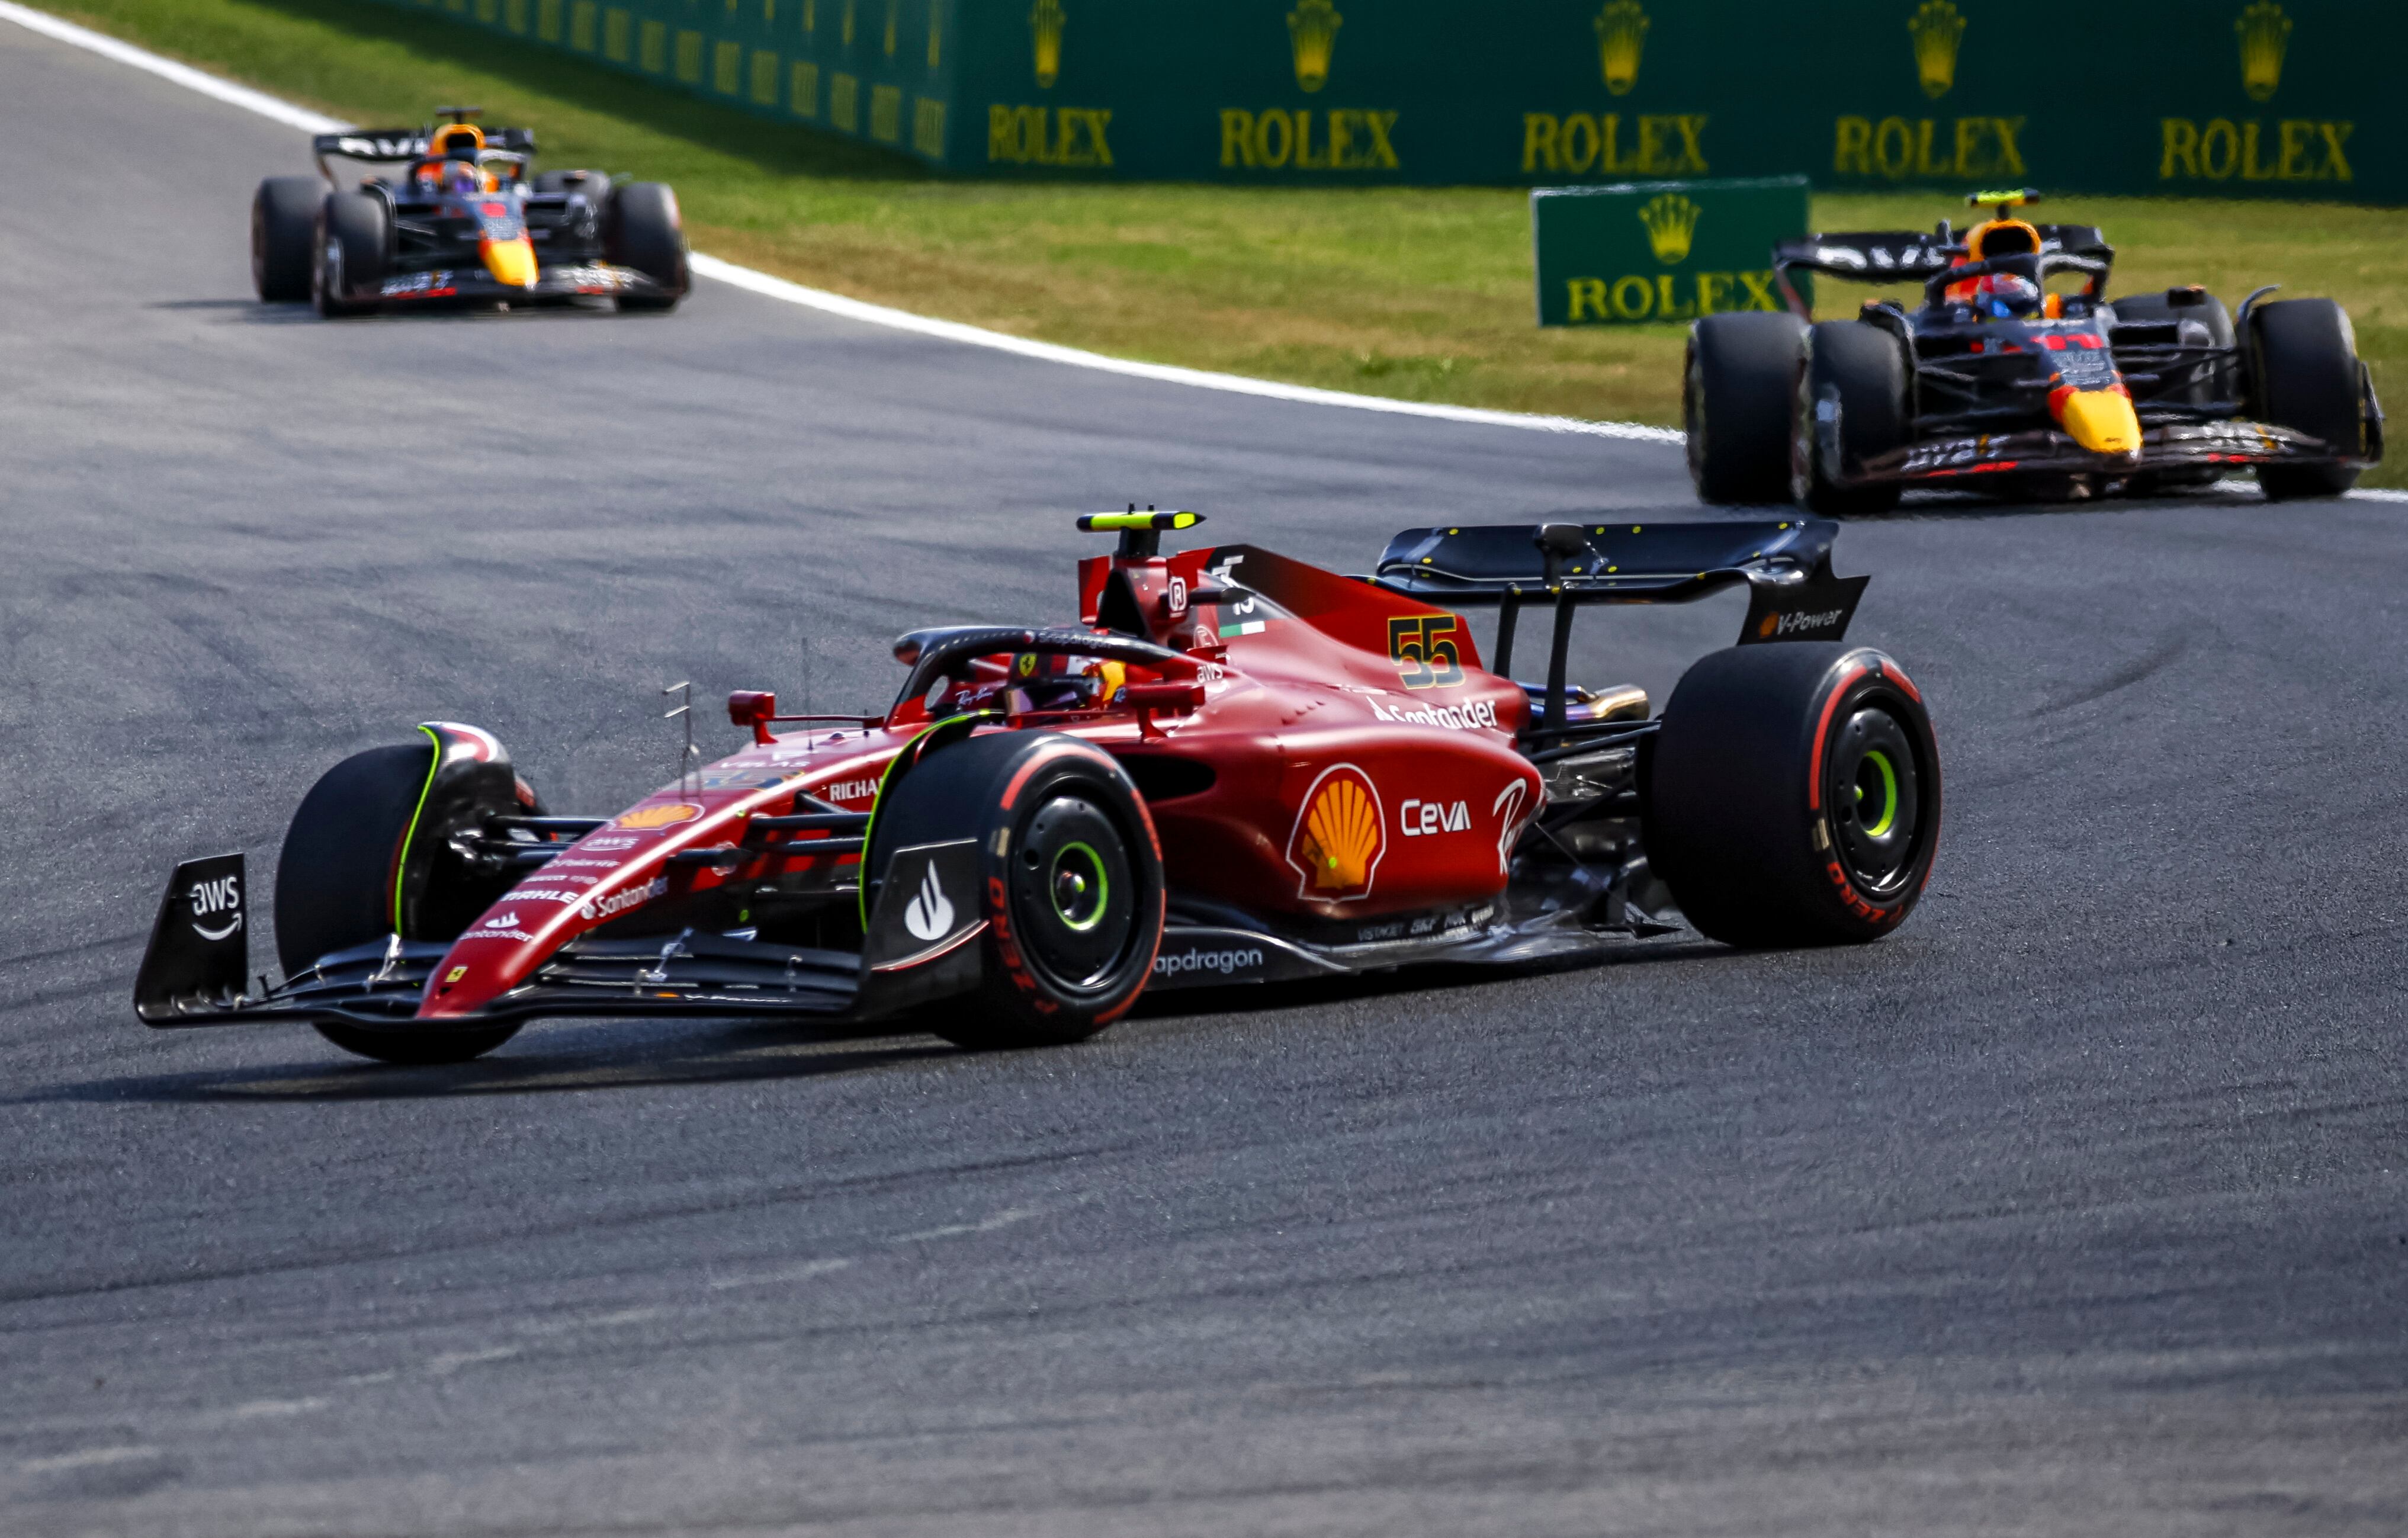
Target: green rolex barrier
(1661, 251)
(2251, 97)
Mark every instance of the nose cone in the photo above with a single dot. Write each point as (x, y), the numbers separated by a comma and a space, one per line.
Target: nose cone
(510, 261)
(2101, 421)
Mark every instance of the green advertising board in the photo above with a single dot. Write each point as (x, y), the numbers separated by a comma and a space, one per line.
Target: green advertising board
(1661, 251)
(2252, 97)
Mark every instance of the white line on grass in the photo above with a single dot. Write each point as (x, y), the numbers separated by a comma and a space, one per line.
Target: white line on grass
(856, 310)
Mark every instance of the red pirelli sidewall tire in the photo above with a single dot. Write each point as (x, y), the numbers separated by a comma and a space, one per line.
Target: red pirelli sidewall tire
(1792, 795)
(1071, 882)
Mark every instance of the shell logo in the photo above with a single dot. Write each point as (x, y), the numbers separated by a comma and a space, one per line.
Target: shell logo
(1338, 842)
(665, 815)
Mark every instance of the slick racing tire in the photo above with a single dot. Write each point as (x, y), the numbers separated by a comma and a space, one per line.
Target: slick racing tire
(352, 238)
(366, 856)
(2304, 375)
(284, 235)
(1736, 390)
(1071, 882)
(1862, 369)
(643, 230)
(1792, 795)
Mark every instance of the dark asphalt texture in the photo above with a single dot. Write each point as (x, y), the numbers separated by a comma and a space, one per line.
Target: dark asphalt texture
(2075, 1208)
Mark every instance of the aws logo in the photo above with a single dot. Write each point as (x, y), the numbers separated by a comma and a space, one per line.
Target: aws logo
(217, 907)
(1338, 840)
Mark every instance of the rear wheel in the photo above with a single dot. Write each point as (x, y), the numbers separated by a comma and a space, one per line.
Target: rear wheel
(366, 857)
(2304, 375)
(1735, 399)
(283, 224)
(1792, 795)
(1860, 371)
(351, 236)
(1071, 882)
(646, 232)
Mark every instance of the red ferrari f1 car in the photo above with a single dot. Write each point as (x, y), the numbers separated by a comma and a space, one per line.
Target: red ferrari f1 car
(1235, 768)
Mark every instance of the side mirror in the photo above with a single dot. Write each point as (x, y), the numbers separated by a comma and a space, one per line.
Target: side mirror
(757, 709)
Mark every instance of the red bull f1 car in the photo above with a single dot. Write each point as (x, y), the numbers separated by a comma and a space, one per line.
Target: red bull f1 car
(1233, 769)
(463, 223)
(2018, 375)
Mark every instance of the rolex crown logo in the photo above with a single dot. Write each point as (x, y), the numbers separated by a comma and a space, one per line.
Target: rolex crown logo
(2265, 35)
(1045, 25)
(1670, 220)
(1313, 32)
(1937, 30)
(1621, 33)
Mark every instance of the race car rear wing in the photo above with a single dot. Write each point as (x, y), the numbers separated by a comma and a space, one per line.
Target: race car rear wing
(399, 144)
(1793, 594)
(1908, 257)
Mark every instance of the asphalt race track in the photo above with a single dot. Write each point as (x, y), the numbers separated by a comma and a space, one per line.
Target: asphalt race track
(2076, 1208)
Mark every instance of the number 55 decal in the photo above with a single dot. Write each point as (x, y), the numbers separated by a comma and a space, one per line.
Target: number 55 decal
(1424, 650)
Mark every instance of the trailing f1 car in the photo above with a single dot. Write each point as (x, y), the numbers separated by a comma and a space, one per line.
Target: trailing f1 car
(1235, 768)
(2018, 375)
(463, 224)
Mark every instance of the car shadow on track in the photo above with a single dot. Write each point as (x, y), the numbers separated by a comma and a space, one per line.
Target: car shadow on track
(671, 1053)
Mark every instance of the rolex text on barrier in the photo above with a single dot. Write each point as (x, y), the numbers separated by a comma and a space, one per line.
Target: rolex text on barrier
(2268, 98)
(1661, 251)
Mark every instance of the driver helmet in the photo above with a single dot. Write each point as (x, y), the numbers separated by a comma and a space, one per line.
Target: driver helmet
(2004, 295)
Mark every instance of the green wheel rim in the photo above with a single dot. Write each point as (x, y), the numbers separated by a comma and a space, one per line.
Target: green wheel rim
(1079, 899)
(1880, 827)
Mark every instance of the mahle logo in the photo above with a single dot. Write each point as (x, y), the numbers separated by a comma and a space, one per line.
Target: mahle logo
(1312, 32)
(1937, 30)
(1621, 33)
(2265, 35)
(1045, 28)
(1671, 223)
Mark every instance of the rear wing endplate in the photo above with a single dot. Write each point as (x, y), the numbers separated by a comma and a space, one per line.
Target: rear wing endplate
(1793, 594)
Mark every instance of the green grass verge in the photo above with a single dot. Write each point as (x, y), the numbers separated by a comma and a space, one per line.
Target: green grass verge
(1421, 293)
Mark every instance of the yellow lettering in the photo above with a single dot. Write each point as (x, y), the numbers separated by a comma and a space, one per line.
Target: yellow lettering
(999, 132)
(2182, 149)
(2010, 161)
(1237, 138)
(1263, 155)
(2336, 167)
(1383, 153)
(1894, 167)
(1664, 300)
(1693, 144)
(1633, 309)
(1855, 150)
(1538, 153)
(1713, 289)
(1342, 125)
(2293, 163)
(1305, 158)
(1588, 297)
(1924, 164)
(1969, 136)
(1610, 129)
(1097, 122)
(1651, 145)
(2250, 170)
(2211, 164)
(1759, 290)
(1580, 142)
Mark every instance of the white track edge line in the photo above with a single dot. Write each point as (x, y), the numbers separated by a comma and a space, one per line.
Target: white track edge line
(2379, 494)
(856, 310)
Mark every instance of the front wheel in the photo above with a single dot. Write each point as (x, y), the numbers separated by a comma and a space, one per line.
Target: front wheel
(1852, 397)
(1071, 882)
(2304, 375)
(1792, 795)
(283, 223)
(369, 855)
(353, 234)
(646, 232)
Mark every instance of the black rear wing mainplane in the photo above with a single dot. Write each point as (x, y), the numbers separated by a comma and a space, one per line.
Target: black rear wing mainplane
(390, 146)
(1793, 594)
(1930, 257)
